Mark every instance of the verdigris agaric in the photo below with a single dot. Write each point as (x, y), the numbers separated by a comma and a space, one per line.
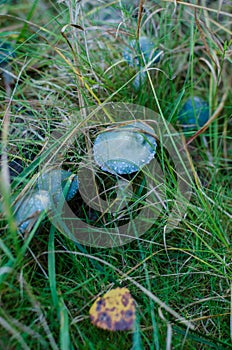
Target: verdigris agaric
(125, 149)
(29, 208)
(52, 188)
(58, 182)
(6, 55)
(194, 113)
(139, 49)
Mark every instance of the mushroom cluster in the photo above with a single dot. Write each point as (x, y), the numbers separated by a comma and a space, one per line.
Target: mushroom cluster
(119, 150)
(52, 188)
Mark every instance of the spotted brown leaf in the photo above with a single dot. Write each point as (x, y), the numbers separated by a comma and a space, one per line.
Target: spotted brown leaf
(114, 311)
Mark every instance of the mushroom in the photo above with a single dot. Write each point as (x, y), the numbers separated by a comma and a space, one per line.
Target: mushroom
(195, 112)
(139, 80)
(6, 55)
(58, 182)
(125, 149)
(29, 208)
(139, 50)
(49, 189)
(144, 47)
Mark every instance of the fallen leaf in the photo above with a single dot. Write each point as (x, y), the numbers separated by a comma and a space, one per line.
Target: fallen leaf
(115, 311)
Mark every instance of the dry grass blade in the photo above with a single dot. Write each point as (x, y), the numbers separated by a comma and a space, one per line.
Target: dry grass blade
(200, 7)
(139, 17)
(15, 334)
(38, 310)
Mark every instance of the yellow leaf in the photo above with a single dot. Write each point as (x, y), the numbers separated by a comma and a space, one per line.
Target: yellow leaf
(115, 311)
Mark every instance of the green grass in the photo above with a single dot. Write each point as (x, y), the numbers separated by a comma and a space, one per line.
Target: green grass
(47, 281)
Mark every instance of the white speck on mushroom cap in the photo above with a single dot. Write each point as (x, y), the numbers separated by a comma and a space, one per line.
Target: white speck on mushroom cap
(126, 149)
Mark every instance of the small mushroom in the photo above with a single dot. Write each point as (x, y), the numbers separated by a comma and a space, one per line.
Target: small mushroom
(58, 182)
(144, 47)
(6, 55)
(125, 149)
(29, 208)
(194, 113)
(139, 80)
(136, 53)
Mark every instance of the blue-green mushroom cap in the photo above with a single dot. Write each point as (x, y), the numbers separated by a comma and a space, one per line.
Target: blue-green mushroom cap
(138, 48)
(28, 209)
(194, 113)
(125, 149)
(2, 2)
(139, 80)
(6, 53)
(59, 182)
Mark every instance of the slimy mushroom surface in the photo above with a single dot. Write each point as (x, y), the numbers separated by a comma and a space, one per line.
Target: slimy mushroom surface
(125, 149)
(6, 53)
(50, 188)
(144, 47)
(194, 113)
(59, 182)
(139, 80)
(29, 208)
